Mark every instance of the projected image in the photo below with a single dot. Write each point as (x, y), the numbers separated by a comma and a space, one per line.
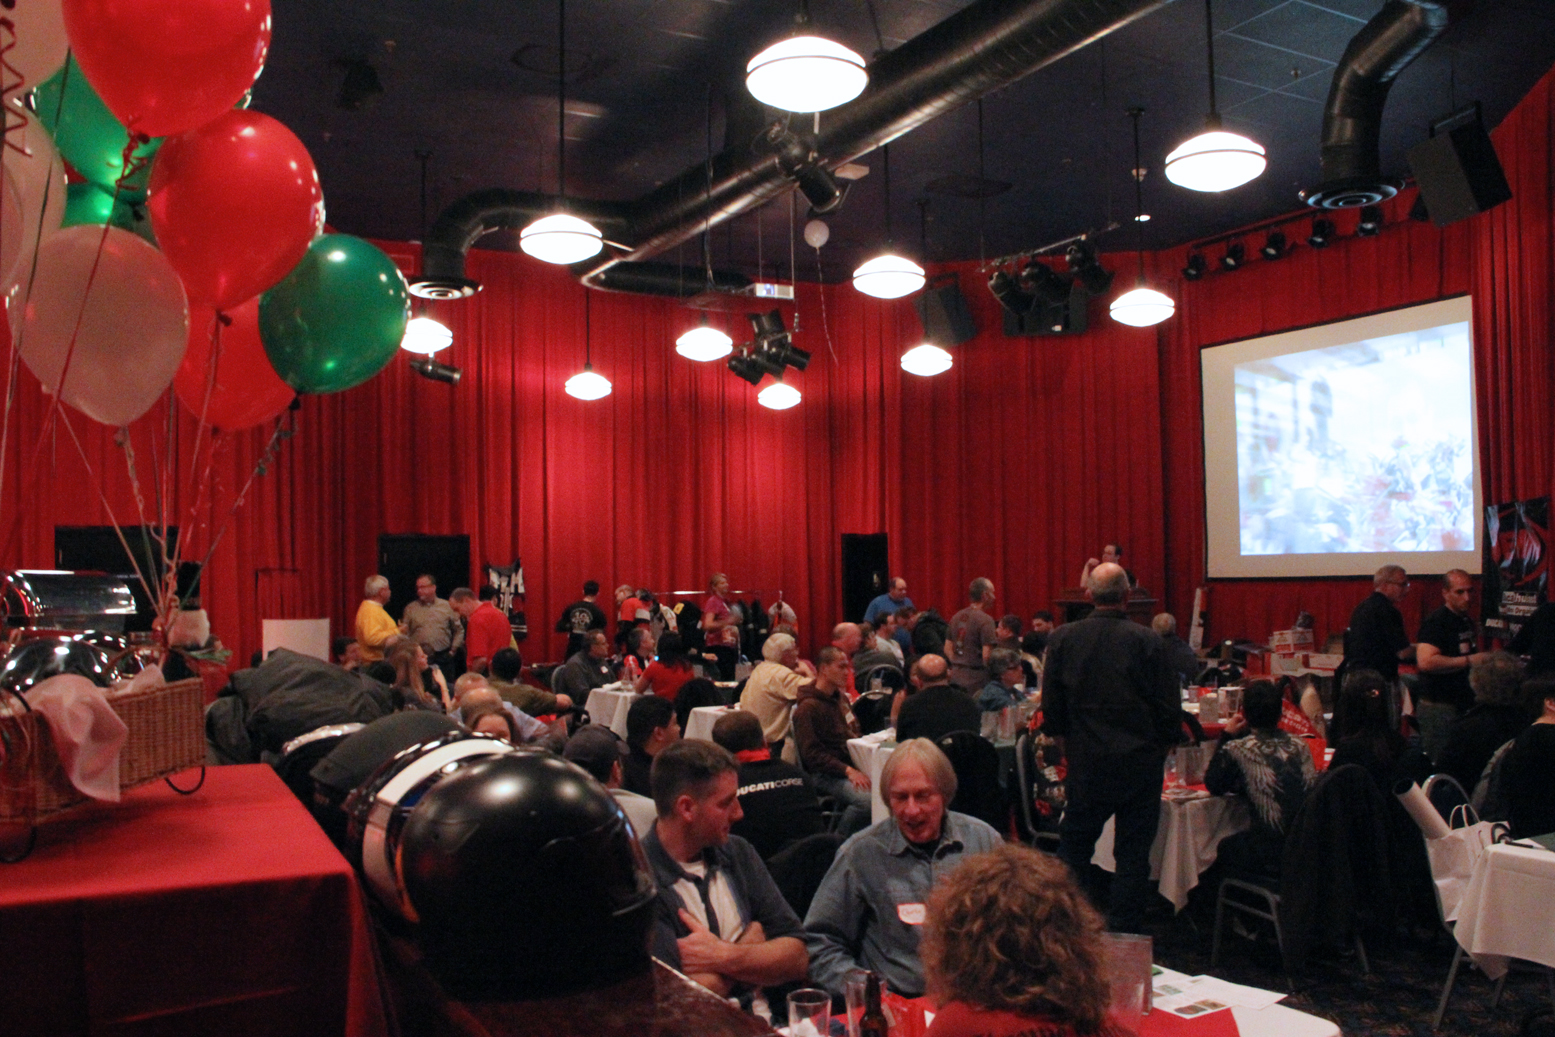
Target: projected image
(1364, 447)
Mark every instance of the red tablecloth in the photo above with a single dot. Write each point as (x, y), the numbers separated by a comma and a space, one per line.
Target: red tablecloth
(226, 912)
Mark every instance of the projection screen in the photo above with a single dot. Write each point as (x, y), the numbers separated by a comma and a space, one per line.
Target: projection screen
(1333, 450)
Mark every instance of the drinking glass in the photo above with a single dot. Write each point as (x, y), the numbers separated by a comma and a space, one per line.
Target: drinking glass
(1128, 973)
(853, 989)
(809, 1013)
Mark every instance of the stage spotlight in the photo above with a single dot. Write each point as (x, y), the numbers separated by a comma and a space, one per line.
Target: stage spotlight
(1195, 267)
(429, 368)
(1322, 233)
(745, 366)
(767, 326)
(1371, 222)
(1046, 284)
(1087, 269)
(785, 352)
(1418, 211)
(1004, 288)
(1274, 245)
(1236, 255)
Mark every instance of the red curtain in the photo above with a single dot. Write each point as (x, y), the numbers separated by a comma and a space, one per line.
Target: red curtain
(1018, 464)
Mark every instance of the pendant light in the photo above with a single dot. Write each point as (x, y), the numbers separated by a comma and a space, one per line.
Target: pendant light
(1217, 159)
(586, 384)
(561, 238)
(426, 336)
(704, 343)
(888, 276)
(806, 73)
(778, 395)
(1142, 306)
(926, 359)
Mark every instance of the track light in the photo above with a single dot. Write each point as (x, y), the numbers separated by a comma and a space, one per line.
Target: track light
(1371, 222)
(744, 365)
(1236, 255)
(1009, 294)
(1194, 268)
(1087, 269)
(1274, 245)
(767, 326)
(429, 368)
(1322, 233)
(1046, 284)
(788, 354)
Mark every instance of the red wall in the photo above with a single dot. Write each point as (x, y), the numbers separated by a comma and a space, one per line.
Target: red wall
(1017, 464)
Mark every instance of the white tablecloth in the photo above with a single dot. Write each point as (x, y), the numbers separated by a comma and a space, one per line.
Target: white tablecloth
(1186, 841)
(609, 705)
(700, 723)
(869, 755)
(1279, 1021)
(1508, 908)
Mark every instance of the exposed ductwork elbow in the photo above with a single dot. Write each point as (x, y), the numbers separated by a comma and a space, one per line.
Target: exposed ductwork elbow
(978, 50)
(1352, 120)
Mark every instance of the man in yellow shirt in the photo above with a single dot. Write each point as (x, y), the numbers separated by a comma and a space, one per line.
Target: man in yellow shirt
(374, 627)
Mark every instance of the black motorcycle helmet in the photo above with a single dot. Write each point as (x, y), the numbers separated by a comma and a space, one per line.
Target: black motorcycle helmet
(482, 857)
(49, 655)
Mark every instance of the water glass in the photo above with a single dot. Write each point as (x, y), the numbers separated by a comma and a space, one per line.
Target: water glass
(809, 1013)
(853, 990)
(1128, 973)
(988, 726)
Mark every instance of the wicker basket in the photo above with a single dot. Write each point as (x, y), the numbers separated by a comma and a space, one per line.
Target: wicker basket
(166, 735)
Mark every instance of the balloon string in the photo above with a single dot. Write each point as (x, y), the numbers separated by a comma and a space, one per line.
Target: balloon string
(272, 450)
(11, 81)
(148, 534)
(108, 508)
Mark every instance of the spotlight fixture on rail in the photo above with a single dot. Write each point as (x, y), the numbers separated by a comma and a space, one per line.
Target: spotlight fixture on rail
(1371, 222)
(1194, 268)
(1141, 306)
(1217, 159)
(561, 237)
(1087, 268)
(1235, 256)
(1322, 233)
(1274, 246)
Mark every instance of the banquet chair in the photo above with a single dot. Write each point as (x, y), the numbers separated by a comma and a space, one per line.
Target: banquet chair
(797, 870)
(891, 678)
(1025, 790)
(831, 812)
(1445, 794)
(873, 711)
(978, 791)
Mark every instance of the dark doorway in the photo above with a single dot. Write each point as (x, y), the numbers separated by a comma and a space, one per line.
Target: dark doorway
(97, 548)
(404, 556)
(865, 572)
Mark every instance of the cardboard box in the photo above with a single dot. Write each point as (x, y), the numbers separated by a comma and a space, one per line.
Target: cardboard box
(1291, 642)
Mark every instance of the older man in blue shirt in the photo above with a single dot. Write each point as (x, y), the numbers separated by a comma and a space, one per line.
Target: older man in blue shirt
(869, 910)
(888, 602)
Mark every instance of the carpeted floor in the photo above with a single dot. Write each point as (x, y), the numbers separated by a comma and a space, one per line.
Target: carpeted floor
(1397, 999)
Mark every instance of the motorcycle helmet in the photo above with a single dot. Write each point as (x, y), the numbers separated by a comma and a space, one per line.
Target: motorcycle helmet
(527, 880)
(49, 655)
(378, 808)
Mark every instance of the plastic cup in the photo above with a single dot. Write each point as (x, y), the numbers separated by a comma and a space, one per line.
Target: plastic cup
(809, 1013)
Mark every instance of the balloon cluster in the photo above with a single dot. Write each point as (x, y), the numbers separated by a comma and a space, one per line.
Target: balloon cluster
(190, 252)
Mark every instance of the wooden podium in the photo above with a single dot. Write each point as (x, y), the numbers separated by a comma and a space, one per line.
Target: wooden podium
(1072, 604)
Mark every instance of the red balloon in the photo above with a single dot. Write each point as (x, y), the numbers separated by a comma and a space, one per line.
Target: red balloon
(166, 66)
(247, 391)
(234, 205)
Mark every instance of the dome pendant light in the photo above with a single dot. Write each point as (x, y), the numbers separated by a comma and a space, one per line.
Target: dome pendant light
(1143, 306)
(704, 343)
(888, 276)
(927, 360)
(426, 336)
(586, 384)
(1217, 159)
(806, 73)
(561, 238)
(778, 395)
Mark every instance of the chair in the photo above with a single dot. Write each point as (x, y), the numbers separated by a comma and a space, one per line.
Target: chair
(891, 678)
(1341, 824)
(978, 792)
(1445, 795)
(873, 711)
(1025, 792)
(831, 813)
(797, 870)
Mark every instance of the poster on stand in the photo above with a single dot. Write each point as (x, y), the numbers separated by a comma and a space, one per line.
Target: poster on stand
(1517, 566)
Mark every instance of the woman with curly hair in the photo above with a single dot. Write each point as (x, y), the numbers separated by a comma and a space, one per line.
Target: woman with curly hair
(1011, 946)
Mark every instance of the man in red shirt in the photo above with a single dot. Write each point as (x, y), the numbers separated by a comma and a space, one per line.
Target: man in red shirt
(487, 630)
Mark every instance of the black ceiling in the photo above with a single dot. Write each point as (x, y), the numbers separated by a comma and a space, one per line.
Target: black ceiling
(472, 82)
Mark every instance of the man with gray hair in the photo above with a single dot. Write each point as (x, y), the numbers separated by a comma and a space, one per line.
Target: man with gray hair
(374, 626)
(971, 635)
(1179, 655)
(773, 687)
(1109, 697)
(1376, 639)
(869, 910)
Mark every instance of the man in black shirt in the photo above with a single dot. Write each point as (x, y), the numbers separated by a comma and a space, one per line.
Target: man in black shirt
(579, 618)
(1376, 639)
(1108, 694)
(1444, 654)
(780, 806)
(937, 707)
(650, 727)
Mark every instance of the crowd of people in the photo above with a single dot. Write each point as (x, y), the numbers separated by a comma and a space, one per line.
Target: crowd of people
(769, 869)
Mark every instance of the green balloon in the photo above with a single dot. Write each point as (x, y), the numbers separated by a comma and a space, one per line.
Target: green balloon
(88, 204)
(338, 318)
(87, 133)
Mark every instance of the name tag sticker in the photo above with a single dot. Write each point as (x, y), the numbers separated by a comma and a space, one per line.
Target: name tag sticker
(911, 914)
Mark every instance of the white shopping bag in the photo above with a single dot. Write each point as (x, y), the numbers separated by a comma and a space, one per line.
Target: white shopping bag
(1453, 857)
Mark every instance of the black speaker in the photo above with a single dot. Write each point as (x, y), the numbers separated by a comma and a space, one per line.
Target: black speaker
(942, 310)
(1457, 169)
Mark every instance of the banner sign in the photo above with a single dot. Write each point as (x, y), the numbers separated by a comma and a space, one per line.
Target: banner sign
(1517, 566)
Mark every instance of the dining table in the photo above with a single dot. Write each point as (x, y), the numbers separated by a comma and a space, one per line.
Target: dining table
(1187, 840)
(1508, 908)
(609, 705)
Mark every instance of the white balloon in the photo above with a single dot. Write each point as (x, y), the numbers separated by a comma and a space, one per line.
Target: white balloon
(133, 325)
(40, 40)
(816, 233)
(37, 177)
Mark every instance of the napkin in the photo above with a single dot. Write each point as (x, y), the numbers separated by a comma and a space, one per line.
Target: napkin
(88, 734)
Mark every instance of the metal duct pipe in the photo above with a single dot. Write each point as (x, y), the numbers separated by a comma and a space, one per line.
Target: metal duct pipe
(973, 52)
(680, 282)
(1352, 120)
